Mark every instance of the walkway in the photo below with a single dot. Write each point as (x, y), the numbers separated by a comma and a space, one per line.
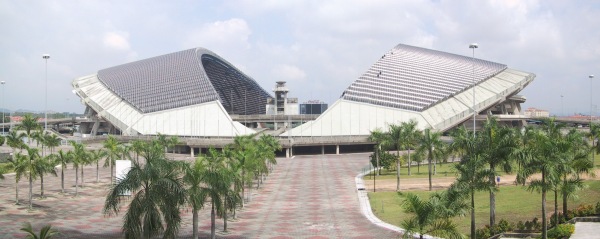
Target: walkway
(305, 197)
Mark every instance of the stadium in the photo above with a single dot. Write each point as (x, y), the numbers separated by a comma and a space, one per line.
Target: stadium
(195, 93)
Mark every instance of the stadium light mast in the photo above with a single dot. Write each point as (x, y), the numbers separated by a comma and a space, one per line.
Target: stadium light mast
(591, 76)
(473, 46)
(562, 109)
(46, 57)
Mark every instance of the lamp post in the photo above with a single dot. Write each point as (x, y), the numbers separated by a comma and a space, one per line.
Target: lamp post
(473, 46)
(562, 109)
(591, 76)
(3, 82)
(46, 57)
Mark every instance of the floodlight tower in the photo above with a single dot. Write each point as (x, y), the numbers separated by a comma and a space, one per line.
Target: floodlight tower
(591, 76)
(473, 46)
(46, 57)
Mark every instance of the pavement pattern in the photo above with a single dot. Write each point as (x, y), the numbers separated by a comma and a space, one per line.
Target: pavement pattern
(304, 197)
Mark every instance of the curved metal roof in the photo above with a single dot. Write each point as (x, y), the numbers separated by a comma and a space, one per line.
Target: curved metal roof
(184, 78)
(414, 78)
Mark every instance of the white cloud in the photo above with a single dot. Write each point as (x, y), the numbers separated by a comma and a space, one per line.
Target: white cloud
(116, 40)
(288, 72)
(232, 33)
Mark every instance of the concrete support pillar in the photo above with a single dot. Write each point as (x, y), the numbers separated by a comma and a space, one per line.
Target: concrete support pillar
(192, 152)
(287, 153)
(322, 149)
(337, 149)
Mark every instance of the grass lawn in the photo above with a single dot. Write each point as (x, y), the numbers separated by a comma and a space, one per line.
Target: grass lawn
(443, 170)
(513, 203)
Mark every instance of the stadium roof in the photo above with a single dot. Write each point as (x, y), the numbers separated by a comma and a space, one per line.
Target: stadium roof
(414, 78)
(184, 78)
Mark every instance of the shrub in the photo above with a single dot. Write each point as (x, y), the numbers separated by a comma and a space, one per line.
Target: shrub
(561, 231)
(521, 226)
(598, 208)
(483, 232)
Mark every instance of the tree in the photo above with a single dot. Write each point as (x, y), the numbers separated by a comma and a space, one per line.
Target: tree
(498, 144)
(19, 164)
(78, 158)
(62, 158)
(94, 157)
(52, 141)
(29, 124)
(395, 137)
(410, 134)
(44, 165)
(158, 193)
(32, 156)
(594, 135)
(427, 144)
(575, 163)
(111, 146)
(542, 155)
(47, 232)
(429, 217)
(216, 179)
(245, 154)
(378, 137)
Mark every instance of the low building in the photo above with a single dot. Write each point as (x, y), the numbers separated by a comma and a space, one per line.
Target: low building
(313, 107)
(536, 113)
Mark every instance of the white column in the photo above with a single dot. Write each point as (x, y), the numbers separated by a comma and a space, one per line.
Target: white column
(192, 152)
(337, 149)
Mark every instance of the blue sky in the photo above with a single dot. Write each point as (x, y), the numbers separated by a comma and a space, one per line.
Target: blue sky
(318, 47)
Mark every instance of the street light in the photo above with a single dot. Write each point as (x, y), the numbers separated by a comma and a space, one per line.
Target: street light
(591, 76)
(3, 82)
(46, 57)
(473, 46)
(562, 109)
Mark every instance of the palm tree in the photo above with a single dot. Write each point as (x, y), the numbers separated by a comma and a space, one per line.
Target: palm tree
(395, 137)
(32, 156)
(47, 232)
(498, 144)
(44, 165)
(94, 157)
(410, 136)
(216, 178)
(542, 155)
(472, 175)
(430, 217)
(427, 143)
(52, 141)
(378, 137)
(19, 164)
(575, 163)
(29, 124)
(158, 191)
(245, 154)
(62, 158)
(270, 145)
(78, 158)
(111, 146)
(137, 146)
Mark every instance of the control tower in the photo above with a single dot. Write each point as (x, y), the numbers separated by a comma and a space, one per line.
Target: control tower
(281, 105)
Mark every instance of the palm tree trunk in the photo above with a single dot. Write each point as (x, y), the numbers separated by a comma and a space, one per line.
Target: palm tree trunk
(76, 181)
(377, 159)
(564, 194)
(17, 191)
(544, 225)
(398, 172)
(97, 171)
(409, 162)
(556, 222)
(30, 191)
(473, 235)
(212, 221)
(492, 208)
(111, 171)
(41, 185)
(81, 176)
(434, 167)
(225, 216)
(62, 179)
(429, 166)
(243, 188)
(195, 224)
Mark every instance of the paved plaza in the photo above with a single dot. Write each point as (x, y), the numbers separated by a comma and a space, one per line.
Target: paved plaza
(305, 197)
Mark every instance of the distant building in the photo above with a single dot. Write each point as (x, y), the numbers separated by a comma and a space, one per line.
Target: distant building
(536, 113)
(281, 104)
(313, 107)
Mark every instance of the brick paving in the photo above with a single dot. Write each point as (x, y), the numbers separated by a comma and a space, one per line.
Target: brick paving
(305, 197)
